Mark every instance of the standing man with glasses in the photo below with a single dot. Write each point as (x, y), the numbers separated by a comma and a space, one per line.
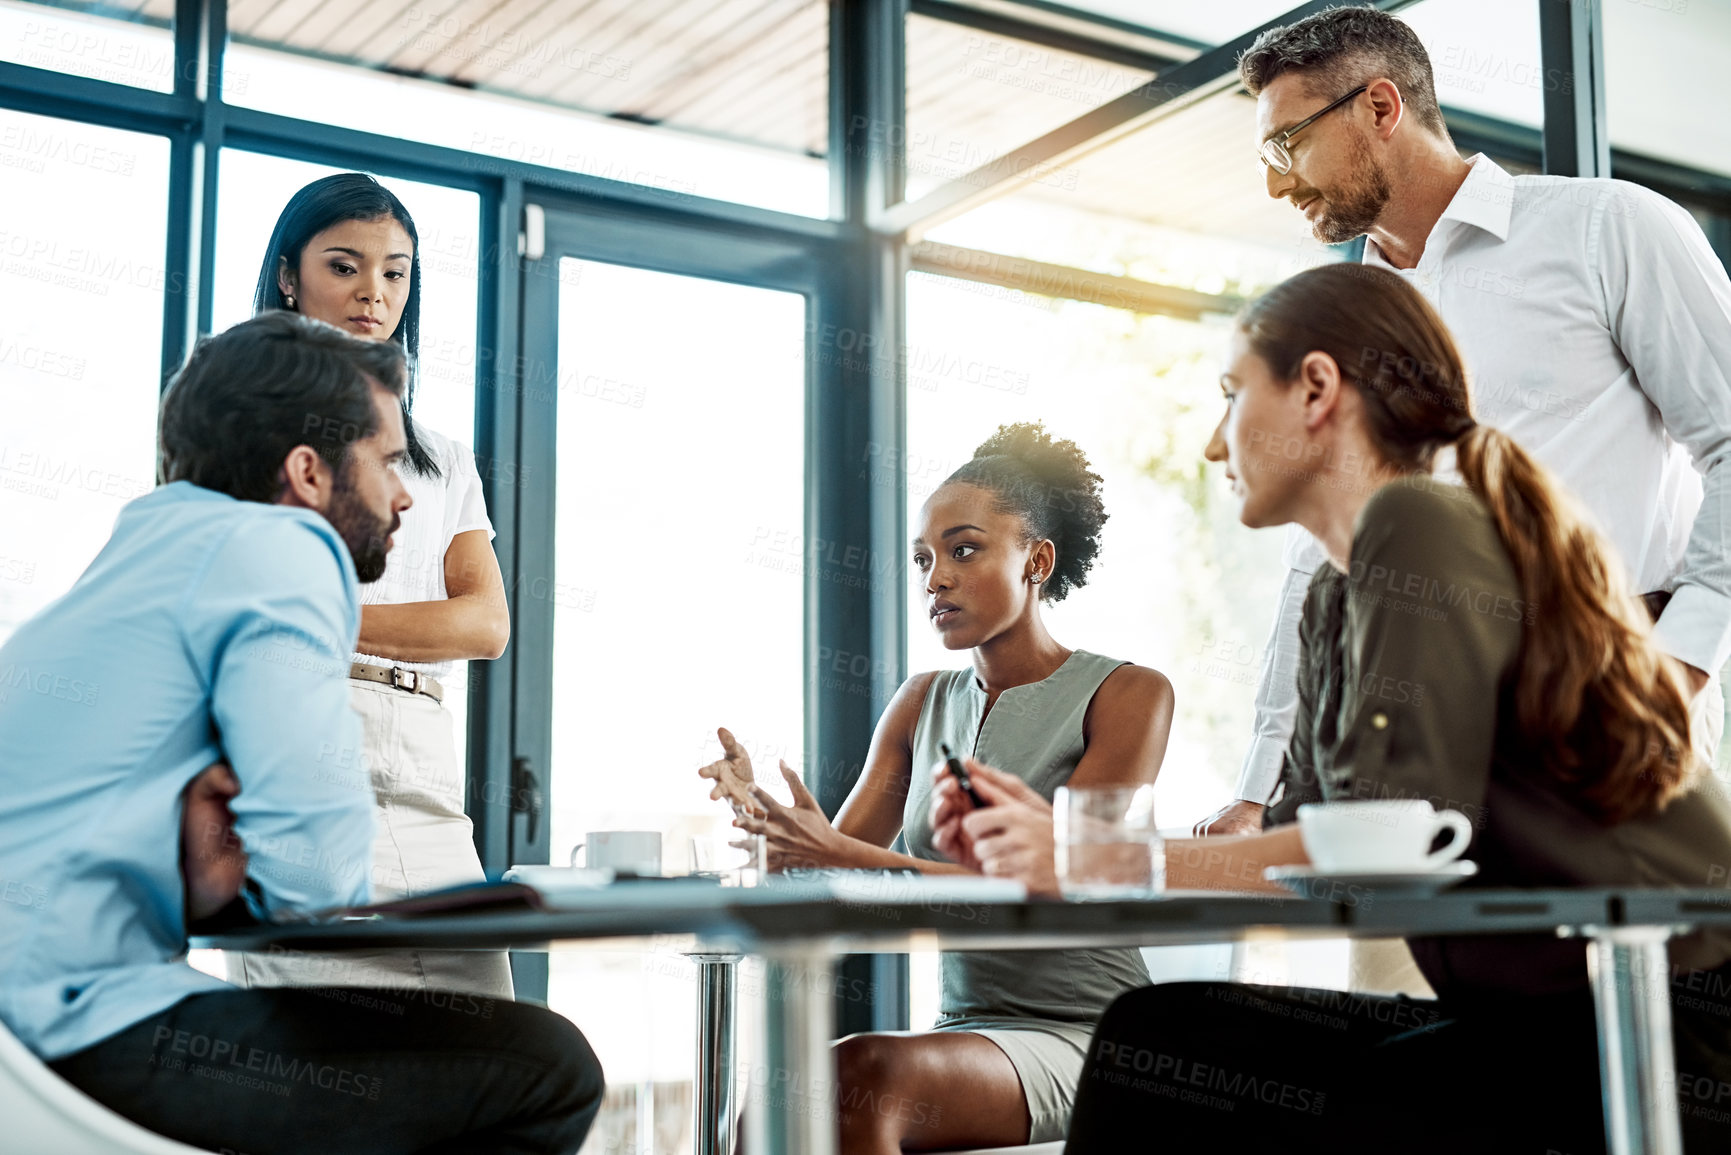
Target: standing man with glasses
(1594, 318)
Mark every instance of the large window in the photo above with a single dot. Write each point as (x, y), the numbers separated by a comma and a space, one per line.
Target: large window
(120, 43)
(81, 297)
(1652, 51)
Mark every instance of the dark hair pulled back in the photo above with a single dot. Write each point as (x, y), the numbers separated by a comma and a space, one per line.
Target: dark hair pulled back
(1594, 701)
(1047, 483)
(331, 200)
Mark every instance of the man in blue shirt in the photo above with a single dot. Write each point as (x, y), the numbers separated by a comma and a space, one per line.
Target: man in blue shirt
(189, 691)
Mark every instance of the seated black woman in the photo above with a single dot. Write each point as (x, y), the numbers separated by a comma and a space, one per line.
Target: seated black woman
(1546, 716)
(1016, 527)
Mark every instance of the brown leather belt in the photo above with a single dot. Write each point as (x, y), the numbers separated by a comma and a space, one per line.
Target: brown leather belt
(410, 681)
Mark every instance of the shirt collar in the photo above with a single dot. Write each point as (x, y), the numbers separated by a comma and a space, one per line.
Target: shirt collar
(1484, 201)
(187, 491)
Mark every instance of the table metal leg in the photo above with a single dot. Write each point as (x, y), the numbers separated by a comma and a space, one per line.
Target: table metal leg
(1631, 987)
(798, 1096)
(713, 1110)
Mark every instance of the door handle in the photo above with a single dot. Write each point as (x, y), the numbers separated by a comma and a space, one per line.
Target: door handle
(526, 797)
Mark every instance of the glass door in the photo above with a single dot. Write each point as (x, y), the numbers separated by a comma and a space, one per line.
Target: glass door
(668, 601)
(680, 505)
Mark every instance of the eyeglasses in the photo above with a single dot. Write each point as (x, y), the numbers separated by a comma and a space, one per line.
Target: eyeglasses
(1273, 150)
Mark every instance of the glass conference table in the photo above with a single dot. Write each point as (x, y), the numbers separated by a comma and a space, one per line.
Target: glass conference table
(799, 928)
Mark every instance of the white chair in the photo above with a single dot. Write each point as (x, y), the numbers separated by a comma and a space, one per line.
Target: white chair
(45, 1115)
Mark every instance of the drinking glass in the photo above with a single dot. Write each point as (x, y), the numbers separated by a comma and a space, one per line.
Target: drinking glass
(1106, 845)
(734, 859)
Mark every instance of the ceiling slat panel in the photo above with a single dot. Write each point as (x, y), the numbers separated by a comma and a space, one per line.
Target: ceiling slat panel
(686, 61)
(718, 102)
(708, 38)
(767, 47)
(775, 110)
(275, 22)
(778, 113)
(779, 49)
(444, 45)
(318, 21)
(615, 40)
(373, 32)
(506, 54)
(564, 37)
(245, 15)
(754, 70)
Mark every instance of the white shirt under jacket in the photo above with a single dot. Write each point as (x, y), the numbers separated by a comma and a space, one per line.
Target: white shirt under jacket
(1595, 322)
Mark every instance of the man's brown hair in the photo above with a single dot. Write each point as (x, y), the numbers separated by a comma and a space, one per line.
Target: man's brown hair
(1338, 49)
(252, 393)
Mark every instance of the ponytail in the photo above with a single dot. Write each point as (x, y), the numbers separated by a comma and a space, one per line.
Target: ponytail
(1594, 701)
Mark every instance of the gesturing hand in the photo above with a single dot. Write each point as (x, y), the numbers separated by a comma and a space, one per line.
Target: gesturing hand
(794, 836)
(212, 860)
(1012, 836)
(732, 773)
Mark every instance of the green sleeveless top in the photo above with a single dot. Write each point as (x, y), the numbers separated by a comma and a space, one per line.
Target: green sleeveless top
(1035, 733)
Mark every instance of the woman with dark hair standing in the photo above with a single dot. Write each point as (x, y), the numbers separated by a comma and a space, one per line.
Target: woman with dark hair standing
(345, 251)
(1013, 529)
(1470, 645)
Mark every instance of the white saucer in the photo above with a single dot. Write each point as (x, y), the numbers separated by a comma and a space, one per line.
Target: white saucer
(1341, 885)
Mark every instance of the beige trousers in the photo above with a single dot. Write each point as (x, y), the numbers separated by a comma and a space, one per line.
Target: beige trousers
(424, 841)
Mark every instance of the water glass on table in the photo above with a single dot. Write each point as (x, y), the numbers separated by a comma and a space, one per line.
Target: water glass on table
(1105, 842)
(734, 858)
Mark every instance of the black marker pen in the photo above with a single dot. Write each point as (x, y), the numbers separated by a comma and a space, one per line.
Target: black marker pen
(954, 765)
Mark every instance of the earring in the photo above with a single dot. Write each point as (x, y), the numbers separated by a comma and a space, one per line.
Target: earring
(289, 300)
(1037, 578)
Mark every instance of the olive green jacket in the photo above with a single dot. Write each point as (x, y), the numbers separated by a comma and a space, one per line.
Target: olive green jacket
(1405, 673)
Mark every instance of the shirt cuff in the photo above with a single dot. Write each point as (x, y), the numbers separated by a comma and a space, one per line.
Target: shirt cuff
(1261, 773)
(1696, 628)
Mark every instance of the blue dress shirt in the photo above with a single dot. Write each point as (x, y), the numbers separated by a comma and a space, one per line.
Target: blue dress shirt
(207, 628)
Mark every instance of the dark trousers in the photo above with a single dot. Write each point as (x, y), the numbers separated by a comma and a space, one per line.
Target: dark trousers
(338, 1070)
(1225, 1067)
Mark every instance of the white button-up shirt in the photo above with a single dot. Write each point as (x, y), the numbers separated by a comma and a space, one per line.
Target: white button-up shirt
(1595, 323)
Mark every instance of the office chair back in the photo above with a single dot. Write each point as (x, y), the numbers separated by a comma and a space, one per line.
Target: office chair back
(43, 1114)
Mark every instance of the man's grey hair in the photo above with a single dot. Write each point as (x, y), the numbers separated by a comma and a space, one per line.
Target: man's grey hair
(1339, 49)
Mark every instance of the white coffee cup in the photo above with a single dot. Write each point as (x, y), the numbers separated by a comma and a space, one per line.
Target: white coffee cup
(624, 852)
(1378, 836)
